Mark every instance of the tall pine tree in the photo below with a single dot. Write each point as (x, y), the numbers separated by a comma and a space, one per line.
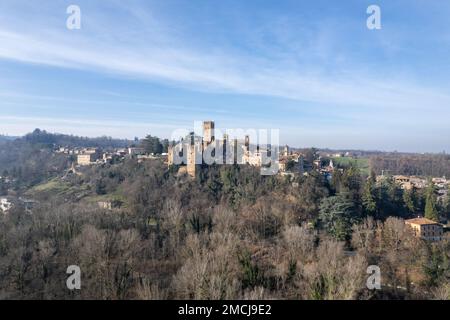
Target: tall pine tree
(409, 199)
(369, 199)
(431, 211)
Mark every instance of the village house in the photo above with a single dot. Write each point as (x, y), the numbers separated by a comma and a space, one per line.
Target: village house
(426, 229)
(110, 157)
(65, 150)
(86, 159)
(144, 157)
(405, 182)
(5, 204)
(88, 156)
(136, 151)
(109, 204)
(441, 183)
(121, 152)
(401, 179)
(418, 183)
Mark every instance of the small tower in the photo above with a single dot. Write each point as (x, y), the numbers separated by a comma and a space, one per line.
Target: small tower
(193, 155)
(191, 160)
(235, 150)
(301, 165)
(246, 149)
(247, 143)
(224, 147)
(170, 155)
(208, 133)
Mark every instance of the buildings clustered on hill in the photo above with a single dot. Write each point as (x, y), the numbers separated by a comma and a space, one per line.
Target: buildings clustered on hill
(90, 156)
(190, 152)
(193, 151)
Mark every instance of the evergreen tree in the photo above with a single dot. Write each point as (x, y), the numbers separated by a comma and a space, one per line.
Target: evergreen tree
(351, 179)
(165, 145)
(397, 205)
(152, 145)
(447, 206)
(214, 186)
(369, 197)
(436, 266)
(383, 203)
(409, 201)
(100, 186)
(3, 188)
(336, 181)
(337, 215)
(431, 211)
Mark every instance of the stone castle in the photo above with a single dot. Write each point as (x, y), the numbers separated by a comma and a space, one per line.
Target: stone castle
(192, 151)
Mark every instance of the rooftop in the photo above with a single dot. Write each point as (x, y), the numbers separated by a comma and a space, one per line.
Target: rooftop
(421, 221)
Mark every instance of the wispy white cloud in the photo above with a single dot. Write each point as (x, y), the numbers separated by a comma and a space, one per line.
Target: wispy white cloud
(307, 67)
(205, 72)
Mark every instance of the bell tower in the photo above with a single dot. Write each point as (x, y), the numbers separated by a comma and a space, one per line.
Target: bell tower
(208, 132)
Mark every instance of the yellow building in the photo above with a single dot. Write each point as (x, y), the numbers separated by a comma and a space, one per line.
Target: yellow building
(401, 179)
(89, 156)
(85, 159)
(426, 229)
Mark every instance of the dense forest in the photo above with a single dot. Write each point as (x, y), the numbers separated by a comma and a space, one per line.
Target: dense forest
(228, 234)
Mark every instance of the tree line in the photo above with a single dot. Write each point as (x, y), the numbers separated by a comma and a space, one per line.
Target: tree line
(434, 165)
(229, 234)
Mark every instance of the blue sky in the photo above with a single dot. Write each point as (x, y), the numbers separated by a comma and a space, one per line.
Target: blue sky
(309, 68)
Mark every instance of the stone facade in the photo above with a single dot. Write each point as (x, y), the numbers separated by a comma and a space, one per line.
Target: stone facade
(426, 229)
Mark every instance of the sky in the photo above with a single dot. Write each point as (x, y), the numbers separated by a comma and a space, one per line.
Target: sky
(311, 69)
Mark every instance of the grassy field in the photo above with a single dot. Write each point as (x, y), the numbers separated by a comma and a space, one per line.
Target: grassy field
(361, 163)
(60, 188)
(55, 186)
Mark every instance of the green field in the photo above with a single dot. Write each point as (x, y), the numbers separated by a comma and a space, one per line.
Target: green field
(361, 163)
(54, 186)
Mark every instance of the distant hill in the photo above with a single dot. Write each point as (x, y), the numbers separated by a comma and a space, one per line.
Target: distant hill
(45, 138)
(7, 138)
(31, 160)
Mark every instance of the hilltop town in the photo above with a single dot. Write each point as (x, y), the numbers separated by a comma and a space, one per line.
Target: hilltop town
(153, 201)
(291, 163)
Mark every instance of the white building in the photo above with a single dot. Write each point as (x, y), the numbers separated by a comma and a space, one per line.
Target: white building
(5, 205)
(136, 151)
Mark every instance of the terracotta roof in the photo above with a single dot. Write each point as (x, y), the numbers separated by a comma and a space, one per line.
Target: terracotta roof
(421, 221)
